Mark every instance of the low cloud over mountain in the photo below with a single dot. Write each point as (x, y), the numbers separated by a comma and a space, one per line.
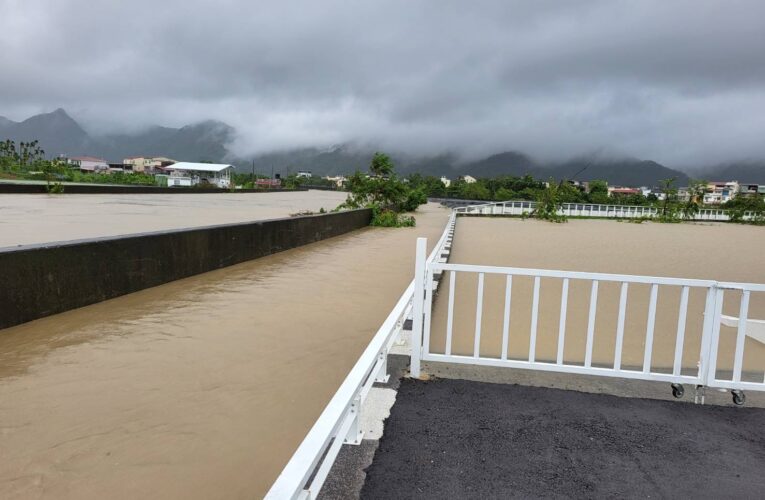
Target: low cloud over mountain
(212, 140)
(680, 82)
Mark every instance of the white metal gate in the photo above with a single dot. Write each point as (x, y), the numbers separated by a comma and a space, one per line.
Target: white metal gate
(706, 373)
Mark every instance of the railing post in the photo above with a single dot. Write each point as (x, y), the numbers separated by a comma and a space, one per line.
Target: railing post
(710, 335)
(418, 305)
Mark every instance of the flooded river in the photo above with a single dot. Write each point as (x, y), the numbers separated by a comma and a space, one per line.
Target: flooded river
(40, 218)
(716, 251)
(201, 388)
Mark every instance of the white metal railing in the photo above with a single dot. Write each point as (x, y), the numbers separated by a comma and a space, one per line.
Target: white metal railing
(338, 424)
(590, 210)
(706, 373)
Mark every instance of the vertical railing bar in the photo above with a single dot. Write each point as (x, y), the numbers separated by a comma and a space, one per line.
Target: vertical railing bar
(680, 339)
(562, 321)
(450, 313)
(478, 314)
(706, 335)
(715, 338)
(427, 309)
(591, 324)
(534, 319)
(650, 329)
(620, 326)
(506, 319)
(417, 306)
(743, 314)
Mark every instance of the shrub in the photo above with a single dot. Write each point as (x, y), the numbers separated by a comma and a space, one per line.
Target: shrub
(389, 218)
(548, 204)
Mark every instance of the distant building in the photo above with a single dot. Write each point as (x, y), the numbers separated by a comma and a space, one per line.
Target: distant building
(720, 192)
(751, 189)
(305, 174)
(268, 183)
(186, 174)
(469, 179)
(89, 164)
(339, 180)
(624, 191)
(446, 182)
(144, 164)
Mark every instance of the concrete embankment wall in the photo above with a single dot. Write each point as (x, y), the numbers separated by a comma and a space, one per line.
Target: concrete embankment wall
(11, 188)
(41, 280)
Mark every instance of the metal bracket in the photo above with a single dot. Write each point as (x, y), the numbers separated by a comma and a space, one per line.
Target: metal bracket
(355, 434)
(382, 376)
(700, 394)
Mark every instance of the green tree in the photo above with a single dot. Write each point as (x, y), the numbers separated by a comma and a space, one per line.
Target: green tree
(381, 165)
(568, 193)
(691, 206)
(739, 206)
(504, 194)
(293, 181)
(52, 170)
(474, 191)
(669, 212)
(549, 204)
(384, 192)
(598, 192)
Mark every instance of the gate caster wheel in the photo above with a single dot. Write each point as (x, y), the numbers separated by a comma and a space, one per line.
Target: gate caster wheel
(678, 390)
(739, 398)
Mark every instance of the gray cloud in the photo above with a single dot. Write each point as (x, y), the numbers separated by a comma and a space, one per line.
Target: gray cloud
(681, 82)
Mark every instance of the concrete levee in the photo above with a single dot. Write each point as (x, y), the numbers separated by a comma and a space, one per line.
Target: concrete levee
(45, 279)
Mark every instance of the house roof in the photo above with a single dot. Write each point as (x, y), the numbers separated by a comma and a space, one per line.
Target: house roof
(199, 167)
(148, 158)
(88, 158)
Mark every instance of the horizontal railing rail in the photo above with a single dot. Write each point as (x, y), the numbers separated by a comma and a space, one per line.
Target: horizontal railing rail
(520, 208)
(338, 424)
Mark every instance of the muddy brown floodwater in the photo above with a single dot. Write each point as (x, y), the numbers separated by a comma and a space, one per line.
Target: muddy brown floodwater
(201, 388)
(40, 218)
(716, 251)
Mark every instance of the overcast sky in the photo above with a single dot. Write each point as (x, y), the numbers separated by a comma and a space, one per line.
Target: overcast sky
(681, 82)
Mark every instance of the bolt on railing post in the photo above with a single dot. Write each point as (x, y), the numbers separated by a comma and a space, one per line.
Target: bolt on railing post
(417, 306)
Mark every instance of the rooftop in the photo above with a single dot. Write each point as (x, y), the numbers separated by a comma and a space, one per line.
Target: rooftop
(199, 167)
(88, 158)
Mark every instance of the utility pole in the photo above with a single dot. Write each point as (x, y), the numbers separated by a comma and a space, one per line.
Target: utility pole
(253, 172)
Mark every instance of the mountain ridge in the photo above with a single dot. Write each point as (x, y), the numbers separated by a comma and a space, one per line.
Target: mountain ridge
(210, 140)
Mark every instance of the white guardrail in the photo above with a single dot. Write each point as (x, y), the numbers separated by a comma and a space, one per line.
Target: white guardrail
(707, 373)
(338, 424)
(589, 210)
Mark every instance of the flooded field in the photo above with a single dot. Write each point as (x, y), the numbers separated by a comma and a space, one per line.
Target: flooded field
(201, 388)
(723, 252)
(40, 218)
